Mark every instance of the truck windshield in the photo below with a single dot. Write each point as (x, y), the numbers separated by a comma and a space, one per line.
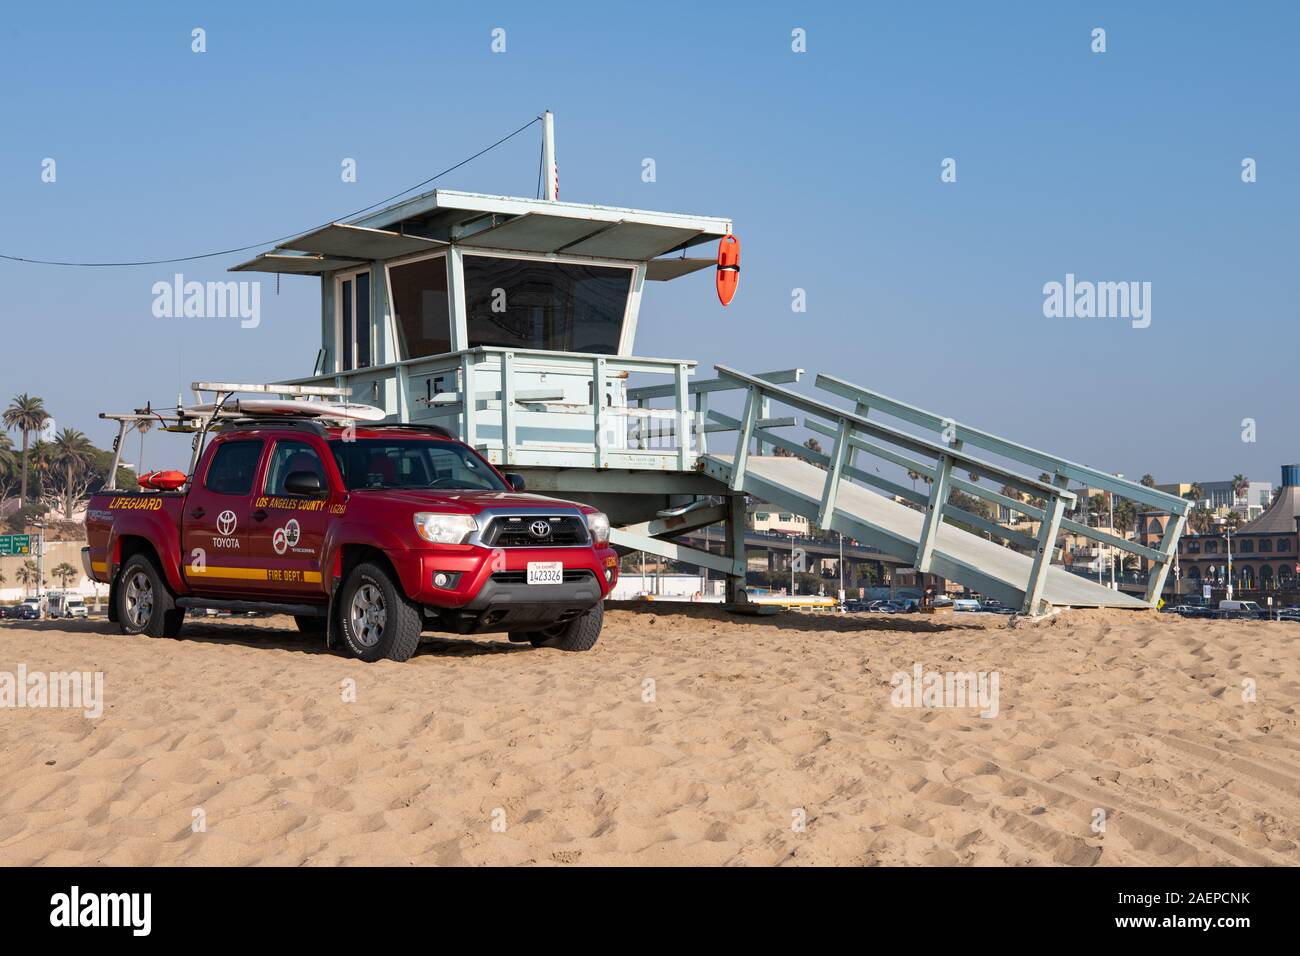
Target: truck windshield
(412, 463)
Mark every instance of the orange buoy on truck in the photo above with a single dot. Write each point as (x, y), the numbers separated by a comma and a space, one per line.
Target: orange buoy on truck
(728, 268)
(162, 480)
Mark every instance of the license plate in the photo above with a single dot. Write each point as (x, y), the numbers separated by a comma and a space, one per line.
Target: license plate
(545, 572)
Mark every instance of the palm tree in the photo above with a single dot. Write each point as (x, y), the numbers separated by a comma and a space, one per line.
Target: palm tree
(42, 465)
(27, 574)
(71, 455)
(8, 460)
(1240, 487)
(1195, 493)
(1201, 520)
(1125, 515)
(1148, 481)
(8, 467)
(64, 571)
(26, 414)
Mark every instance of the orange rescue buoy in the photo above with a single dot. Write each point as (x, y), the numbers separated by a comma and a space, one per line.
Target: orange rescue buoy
(162, 480)
(728, 268)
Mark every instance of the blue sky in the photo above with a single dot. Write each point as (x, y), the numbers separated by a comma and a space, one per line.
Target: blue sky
(1117, 166)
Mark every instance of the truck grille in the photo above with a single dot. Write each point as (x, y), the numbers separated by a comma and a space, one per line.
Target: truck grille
(517, 531)
(521, 577)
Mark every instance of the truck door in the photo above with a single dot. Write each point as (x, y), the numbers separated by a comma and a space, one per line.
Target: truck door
(218, 557)
(288, 533)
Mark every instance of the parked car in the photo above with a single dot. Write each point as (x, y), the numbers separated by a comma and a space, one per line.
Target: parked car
(22, 612)
(1248, 610)
(368, 535)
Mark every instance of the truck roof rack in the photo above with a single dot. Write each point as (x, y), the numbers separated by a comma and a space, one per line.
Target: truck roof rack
(432, 429)
(312, 425)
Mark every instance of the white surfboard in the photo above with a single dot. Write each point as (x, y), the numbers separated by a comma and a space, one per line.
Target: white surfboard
(278, 406)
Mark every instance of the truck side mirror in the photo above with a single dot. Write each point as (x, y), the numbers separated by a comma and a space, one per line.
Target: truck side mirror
(516, 480)
(306, 483)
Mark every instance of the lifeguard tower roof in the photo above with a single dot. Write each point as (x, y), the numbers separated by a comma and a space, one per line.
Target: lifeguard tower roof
(432, 220)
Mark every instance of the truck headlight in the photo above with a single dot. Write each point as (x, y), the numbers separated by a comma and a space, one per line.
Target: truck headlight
(444, 529)
(598, 528)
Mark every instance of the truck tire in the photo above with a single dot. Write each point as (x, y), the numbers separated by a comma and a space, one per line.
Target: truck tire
(144, 603)
(376, 619)
(580, 634)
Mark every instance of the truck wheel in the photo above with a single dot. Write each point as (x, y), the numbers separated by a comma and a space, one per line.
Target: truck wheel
(580, 634)
(144, 605)
(376, 619)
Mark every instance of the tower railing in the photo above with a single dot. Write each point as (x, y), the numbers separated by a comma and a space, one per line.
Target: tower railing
(552, 409)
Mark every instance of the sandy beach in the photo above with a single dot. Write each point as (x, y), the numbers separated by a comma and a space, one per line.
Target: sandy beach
(688, 736)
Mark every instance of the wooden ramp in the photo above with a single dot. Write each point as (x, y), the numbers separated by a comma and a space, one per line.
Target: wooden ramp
(873, 519)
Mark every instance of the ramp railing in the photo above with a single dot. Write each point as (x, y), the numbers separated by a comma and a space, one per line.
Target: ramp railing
(853, 434)
(1059, 470)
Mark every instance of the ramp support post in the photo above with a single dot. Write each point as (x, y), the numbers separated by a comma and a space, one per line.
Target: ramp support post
(747, 421)
(839, 458)
(934, 513)
(1047, 532)
(735, 544)
(1157, 575)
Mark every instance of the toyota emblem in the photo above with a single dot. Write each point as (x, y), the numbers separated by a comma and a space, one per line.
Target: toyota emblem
(226, 523)
(540, 529)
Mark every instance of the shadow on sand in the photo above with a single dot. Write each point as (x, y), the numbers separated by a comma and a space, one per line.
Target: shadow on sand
(273, 633)
(803, 620)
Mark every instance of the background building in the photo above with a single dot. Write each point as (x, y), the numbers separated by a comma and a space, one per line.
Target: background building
(1219, 496)
(1265, 550)
(772, 520)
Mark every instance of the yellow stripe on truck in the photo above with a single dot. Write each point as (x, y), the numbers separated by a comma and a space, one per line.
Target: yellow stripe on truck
(253, 574)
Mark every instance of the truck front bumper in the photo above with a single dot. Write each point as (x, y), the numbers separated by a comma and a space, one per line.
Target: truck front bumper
(506, 604)
(486, 590)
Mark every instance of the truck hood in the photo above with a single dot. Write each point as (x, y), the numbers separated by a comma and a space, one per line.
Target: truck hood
(464, 502)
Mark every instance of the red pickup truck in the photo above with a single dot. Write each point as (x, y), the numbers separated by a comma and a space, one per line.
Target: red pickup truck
(369, 535)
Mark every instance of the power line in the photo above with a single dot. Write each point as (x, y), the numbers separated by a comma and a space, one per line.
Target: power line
(267, 242)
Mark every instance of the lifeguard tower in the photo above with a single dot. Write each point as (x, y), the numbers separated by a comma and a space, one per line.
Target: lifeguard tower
(512, 323)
